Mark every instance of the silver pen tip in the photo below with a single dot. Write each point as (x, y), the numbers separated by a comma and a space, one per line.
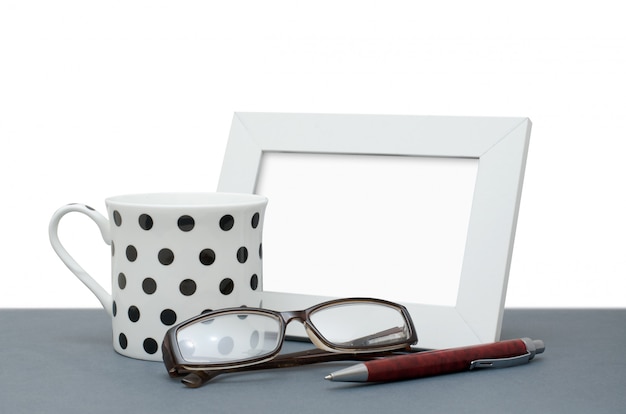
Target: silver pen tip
(539, 346)
(329, 377)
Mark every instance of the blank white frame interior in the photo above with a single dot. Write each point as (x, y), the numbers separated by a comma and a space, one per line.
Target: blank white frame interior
(366, 225)
(500, 146)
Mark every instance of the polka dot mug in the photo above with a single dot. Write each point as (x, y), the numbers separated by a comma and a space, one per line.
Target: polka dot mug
(174, 256)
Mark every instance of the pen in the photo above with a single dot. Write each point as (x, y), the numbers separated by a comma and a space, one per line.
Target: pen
(423, 364)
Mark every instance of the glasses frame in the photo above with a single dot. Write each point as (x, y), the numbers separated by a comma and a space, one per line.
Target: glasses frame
(177, 365)
(198, 378)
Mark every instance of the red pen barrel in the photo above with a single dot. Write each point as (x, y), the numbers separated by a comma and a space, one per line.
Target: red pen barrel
(428, 363)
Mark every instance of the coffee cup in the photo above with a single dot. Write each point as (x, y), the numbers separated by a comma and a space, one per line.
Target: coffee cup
(173, 256)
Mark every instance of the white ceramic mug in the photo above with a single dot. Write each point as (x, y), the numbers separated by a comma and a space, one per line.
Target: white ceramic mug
(174, 255)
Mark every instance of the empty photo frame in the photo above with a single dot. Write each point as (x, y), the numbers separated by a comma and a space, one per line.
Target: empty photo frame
(470, 168)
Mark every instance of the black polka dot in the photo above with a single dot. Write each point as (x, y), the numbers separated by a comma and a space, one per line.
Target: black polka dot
(227, 286)
(150, 346)
(90, 208)
(207, 257)
(121, 280)
(255, 220)
(145, 222)
(149, 285)
(168, 317)
(187, 287)
(225, 345)
(254, 282)
(133, 313)
(242, 255)
(117, 218)
(131, 253)
(114, 309)
(166, 257)
(227, 222)
(207, 311)
(261, 251)
(112, 249)
(186, 223)
(123, 341)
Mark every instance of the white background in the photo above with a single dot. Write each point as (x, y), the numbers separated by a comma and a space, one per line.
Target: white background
(103, 98)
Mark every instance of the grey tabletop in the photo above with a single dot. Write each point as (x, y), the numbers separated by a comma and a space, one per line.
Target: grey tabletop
(62, 361)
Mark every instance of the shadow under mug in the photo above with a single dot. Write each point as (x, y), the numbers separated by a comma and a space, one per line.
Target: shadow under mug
(173, 256)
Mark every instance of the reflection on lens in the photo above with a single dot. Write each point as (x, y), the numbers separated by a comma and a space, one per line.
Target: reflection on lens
(229, 337)
(186, 347)
(254, 340)
(226, 345)
(361, 325)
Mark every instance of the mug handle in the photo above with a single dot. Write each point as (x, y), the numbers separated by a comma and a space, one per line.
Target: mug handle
(103, 296)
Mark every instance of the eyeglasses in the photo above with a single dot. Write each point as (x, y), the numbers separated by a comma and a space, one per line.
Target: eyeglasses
(236, 339)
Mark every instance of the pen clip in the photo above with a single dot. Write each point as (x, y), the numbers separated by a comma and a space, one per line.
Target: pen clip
(501, 362)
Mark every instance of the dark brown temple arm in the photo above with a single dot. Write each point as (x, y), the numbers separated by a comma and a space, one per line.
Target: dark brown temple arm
(312, 356)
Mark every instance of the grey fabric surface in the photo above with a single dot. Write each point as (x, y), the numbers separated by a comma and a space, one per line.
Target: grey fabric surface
(62, 361)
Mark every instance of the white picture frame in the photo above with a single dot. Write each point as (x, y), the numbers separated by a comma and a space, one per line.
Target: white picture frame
(499, 144)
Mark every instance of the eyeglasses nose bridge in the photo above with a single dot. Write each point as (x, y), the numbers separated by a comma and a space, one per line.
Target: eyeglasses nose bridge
(303, 318)
(293, 315)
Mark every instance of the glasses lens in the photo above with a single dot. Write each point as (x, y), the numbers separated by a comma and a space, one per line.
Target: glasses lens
(229, 338)
(361, 325)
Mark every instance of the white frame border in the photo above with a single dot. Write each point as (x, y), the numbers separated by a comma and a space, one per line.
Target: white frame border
(499, 144)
